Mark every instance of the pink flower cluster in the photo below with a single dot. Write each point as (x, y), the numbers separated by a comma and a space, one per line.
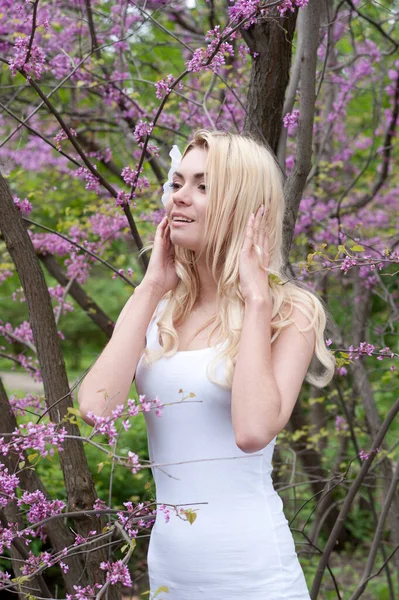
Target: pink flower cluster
(84, 593)
(117, 572)
(245, 10)
(7, 535)
(62, 135)
(24, 206)
(8, 485)
(213, 56)
(340, 423)
(154, 217)
(348, 263)
(365, 455)
(20, 405)
(32, 65)
(163, 86)
(291, 119)
(107, 425)
(165, 510)
(129, 175)
(139, 514)
(129, 273)
(366, 349)
(92, 182)
(5, 274)
(141, 130)
(34, 436)
(39, 508)
(33, 562)
(123, 199)
(290, 5)
(22, 333)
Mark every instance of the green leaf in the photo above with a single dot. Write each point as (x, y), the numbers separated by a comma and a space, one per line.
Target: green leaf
(357, 248)
(161, 589)
(274, 279)
(74, 411)
(190, 515)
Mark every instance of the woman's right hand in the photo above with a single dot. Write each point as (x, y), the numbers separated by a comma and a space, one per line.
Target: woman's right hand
(161, 273)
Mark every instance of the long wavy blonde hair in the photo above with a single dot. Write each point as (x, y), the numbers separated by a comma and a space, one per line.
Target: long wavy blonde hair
(241, 175)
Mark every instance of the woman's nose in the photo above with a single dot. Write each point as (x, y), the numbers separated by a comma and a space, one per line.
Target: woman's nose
(181, 196)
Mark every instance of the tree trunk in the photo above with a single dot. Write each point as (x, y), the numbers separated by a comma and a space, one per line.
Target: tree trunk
(78, 481)
(56, 530)
(271, 38)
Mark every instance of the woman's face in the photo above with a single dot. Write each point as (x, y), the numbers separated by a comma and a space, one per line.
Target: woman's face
(188, 201)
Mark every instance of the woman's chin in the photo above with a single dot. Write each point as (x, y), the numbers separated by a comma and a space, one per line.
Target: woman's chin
(179, 243)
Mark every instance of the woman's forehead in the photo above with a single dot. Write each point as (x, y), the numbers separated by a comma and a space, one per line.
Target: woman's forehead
(193, 164)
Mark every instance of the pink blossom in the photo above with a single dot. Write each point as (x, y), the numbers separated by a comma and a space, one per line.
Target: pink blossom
(8, 485)
(340, 423)
(142, 130)
(163, 87)
(363, 455)
(35, 65)
(133, 462)
(117, 572)
(20, 405)
(291, 119)
(32, 563)
(166, 512)
(62, 135)
(24, 206)
(290, 5)
(84, 593)
(123, 199)
(35, 437)
(348, 263)
(92, 182)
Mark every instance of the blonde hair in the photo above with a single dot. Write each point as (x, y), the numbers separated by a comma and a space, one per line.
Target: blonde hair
(241, 175)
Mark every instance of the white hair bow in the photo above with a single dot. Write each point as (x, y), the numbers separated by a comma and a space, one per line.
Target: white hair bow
(175, 155)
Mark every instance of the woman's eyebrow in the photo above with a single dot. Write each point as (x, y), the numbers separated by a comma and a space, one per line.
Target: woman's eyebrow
(195, 176)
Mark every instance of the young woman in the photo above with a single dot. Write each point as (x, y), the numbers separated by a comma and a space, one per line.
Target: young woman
(225, 344)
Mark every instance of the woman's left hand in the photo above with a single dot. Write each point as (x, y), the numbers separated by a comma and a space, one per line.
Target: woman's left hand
(254, 281)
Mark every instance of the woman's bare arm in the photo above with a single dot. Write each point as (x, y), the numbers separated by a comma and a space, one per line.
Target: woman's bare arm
(108, 382)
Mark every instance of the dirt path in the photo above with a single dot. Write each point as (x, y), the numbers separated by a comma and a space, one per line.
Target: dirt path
(20, 382)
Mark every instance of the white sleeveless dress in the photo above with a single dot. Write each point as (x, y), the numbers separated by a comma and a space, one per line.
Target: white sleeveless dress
(240, 545)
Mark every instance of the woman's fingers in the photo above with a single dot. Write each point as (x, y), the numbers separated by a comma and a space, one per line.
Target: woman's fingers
(249, 235)
(257, 226)
(264, 243)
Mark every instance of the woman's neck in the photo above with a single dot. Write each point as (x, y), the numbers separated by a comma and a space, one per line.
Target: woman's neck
(208, 286)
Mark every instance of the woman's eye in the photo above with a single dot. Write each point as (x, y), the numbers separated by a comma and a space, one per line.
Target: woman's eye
(202, 187)
(174, 186)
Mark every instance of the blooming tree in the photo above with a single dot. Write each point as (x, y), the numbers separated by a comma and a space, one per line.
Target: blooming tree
(94, 95)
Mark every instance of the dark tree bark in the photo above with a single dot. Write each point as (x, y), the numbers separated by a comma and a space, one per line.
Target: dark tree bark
(57, 531)
(271, 39)
(91, 308)
(78, 481)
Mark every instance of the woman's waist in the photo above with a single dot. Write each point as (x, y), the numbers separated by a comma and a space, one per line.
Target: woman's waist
(242, 491)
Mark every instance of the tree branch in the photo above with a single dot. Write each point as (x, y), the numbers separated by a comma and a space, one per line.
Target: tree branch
(296, 182)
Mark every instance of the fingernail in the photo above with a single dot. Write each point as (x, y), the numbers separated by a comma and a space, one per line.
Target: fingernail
(262, 209)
